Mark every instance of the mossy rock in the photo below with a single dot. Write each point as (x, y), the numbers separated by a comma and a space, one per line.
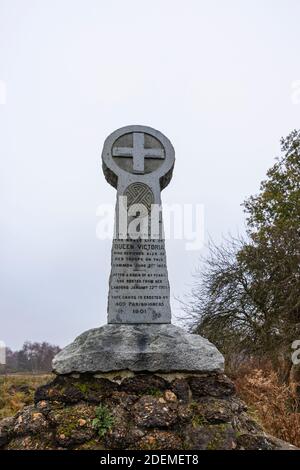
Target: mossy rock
(73, 424)
(159, 439)
(72, 390)
(43, 441)
(144, 411)
(211, 437)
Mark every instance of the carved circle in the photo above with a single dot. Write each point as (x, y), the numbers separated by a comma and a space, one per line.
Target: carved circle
(117, 165)
(138, 148)
(139, 193)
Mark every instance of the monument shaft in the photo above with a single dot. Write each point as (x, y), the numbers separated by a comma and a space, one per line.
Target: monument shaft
(140, 158)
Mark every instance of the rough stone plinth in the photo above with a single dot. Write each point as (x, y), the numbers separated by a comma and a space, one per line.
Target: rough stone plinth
(152, 348)
(141, 411)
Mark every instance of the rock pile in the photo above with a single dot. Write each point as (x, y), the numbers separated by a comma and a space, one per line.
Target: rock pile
(136, 411)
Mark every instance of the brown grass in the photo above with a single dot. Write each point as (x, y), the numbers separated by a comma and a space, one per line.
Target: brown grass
(271, 402)
(17, 391)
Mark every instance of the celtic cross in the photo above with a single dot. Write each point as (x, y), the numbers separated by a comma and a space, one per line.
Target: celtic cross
(138, 152)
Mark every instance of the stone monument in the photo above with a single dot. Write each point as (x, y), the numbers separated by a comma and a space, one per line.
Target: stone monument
(138, 382)
(138, 161)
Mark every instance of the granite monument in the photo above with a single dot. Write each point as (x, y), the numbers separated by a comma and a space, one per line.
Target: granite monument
(138, 161)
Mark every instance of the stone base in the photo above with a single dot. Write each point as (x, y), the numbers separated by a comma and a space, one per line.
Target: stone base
(138, 348)
(144, 412)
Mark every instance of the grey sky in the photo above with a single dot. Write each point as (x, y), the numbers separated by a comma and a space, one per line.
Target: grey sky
(216, 77)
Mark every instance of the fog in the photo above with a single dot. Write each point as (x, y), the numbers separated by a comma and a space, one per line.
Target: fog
(220, 79)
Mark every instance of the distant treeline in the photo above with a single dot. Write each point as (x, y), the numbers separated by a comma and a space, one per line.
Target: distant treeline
(33, 357)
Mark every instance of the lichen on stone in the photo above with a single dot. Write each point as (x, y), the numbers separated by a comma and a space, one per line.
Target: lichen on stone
(140, 411)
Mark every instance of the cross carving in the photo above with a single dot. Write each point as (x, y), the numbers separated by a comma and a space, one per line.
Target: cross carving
(138, 152)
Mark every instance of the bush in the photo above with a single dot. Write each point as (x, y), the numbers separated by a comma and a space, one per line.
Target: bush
(270, 401)
(103, 421)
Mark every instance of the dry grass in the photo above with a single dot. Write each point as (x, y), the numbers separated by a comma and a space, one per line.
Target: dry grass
(272, 403)
(17, 391)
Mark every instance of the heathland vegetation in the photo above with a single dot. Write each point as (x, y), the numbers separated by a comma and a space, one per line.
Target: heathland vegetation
(246, 298)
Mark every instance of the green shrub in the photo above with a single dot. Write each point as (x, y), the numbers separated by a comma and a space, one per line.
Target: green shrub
(103, 420)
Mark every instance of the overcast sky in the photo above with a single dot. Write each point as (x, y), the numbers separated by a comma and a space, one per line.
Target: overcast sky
(220, 78)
